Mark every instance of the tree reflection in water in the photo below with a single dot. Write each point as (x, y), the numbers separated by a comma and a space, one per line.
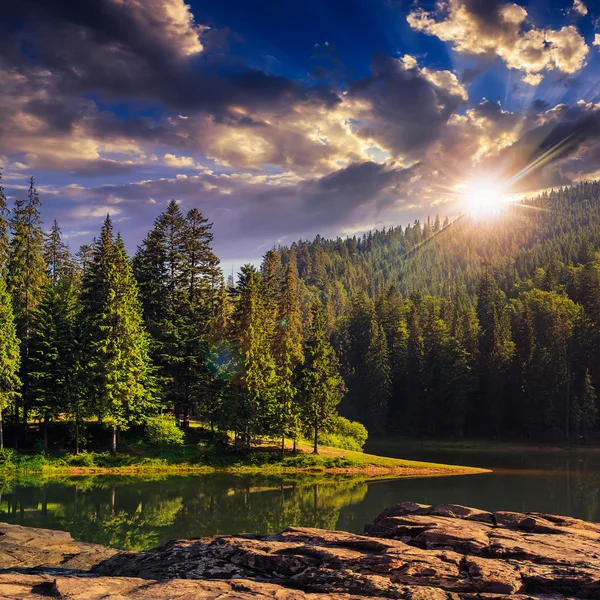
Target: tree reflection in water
(139, 513)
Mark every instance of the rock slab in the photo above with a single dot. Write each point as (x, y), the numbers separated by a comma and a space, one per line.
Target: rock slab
(411, 551)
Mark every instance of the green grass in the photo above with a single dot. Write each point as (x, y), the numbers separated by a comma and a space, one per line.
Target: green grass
(198, 459)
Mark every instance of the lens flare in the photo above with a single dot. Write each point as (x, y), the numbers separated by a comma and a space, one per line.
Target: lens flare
(485, 197)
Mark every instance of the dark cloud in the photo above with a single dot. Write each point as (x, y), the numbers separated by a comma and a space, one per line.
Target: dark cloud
(246, 211)
(560, 135)
(137, 50)
(408, 109)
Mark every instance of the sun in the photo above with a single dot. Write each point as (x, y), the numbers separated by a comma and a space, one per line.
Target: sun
(485, 197)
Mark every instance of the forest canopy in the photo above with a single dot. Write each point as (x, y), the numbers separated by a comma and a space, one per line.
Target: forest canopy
(440, 328)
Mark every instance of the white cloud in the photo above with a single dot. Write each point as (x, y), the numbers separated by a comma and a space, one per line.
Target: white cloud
(506, 33)
(579, 7)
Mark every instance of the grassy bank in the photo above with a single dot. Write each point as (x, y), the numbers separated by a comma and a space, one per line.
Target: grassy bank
(209, 460)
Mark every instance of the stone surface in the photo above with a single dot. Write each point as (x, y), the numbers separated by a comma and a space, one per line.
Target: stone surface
(27, 547)
(411, 551)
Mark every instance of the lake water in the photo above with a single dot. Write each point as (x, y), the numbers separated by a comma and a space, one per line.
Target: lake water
(141, 512)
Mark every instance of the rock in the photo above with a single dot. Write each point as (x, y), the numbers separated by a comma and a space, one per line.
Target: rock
(30, 548)
(411, 551)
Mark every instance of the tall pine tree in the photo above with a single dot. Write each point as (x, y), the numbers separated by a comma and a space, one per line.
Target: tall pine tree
(26, 278)
(10, 356)
(321, 385)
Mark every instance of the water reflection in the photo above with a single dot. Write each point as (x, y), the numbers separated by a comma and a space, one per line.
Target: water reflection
(138, 513)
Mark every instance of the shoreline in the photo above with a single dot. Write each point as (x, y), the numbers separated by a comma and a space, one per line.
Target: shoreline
(410, 550)
(331, 461)
(369, 471)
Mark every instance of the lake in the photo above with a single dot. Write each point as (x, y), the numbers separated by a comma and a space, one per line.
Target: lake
(141, 512)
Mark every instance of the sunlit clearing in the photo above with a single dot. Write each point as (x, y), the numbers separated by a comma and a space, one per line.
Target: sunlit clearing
(484, 197)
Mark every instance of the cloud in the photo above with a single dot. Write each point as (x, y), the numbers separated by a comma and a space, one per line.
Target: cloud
(492, 27)
(403, 107)
(596, 41)
(246, 209)
(579, 7)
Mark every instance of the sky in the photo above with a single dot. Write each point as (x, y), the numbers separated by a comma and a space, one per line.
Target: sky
(285, 119)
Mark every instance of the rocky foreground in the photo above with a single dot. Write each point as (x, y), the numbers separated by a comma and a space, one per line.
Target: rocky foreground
(411, 551)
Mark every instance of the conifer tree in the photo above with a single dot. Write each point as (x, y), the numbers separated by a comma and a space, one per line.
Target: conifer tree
(378, 380)
(59, 261)
(587, 410)
(414, 368)
(257, 412)
(321, 385)
(120, 351)
(53, 352)
(272, 275)
(26, 278)
(4, 229)
(495, 351)
(287, 349)
(10, 356)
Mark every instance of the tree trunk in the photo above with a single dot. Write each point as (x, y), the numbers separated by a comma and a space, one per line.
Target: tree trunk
(113, 448)
(568, 407)
(316, 444)
(282, 446)
(295, 448)
(76, 436)
(1, 431)
(186, 417)
(46, 419)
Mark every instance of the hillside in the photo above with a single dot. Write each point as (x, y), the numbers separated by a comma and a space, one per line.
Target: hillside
(477, 326)
(446, 259)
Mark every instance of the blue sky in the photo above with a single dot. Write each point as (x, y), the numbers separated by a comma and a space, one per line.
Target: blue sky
(281, 120)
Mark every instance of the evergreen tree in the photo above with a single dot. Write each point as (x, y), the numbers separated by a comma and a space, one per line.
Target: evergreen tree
(59, 261)
(257, 412)
(415, 356)
(53, 352)
(10, 356)
(4, 229)
(321, 385)
(287, 350)
(587, 411)
(378, 380)
(117, 346)
(272, 275)
(26, 278)
(495, 352)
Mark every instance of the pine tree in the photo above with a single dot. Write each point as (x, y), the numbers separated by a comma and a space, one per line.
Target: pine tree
(53, 352)
(26, 278)
(257, 412)
(272, 272)
(10, 356)
(415, 356)
(59, 262)
(378, 380)
(4, 228)
(121, 351)
(587, 409)
(495, 351)
(287, 349)
(321, 385)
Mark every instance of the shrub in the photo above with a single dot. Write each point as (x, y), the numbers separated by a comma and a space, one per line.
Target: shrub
(339, 441)
(83, 459)
(346, 434)
(162, 430)
(8, 458)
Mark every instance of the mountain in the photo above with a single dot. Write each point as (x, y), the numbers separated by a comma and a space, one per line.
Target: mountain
(445, 259)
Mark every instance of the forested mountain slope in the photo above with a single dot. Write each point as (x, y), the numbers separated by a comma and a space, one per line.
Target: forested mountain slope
(446, 259)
